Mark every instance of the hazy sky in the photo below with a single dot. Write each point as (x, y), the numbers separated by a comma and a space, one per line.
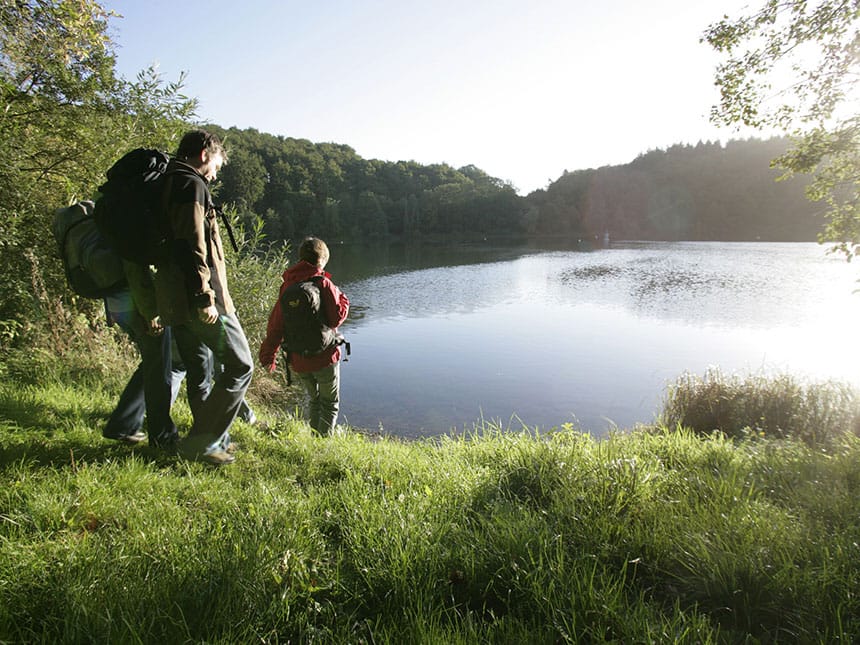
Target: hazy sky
(523, 89)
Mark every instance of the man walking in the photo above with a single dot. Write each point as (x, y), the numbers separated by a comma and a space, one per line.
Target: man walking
(193, 298)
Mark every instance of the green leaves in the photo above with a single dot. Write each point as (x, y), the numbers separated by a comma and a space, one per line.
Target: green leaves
(795, 66)
(65, 116)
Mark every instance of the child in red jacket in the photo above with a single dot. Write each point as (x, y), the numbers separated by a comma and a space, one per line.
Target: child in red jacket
(319, 373)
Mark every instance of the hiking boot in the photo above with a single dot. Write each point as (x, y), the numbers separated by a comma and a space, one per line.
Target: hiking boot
(217, 458)
(231, 448)
(165, 442)
(131, 439)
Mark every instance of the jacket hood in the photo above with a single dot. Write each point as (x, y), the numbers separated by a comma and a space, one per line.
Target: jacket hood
(302, 271)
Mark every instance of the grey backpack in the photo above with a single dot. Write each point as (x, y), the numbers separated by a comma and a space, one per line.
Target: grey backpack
(93, 268)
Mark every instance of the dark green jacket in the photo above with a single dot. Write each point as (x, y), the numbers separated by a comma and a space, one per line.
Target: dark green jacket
(193, 274)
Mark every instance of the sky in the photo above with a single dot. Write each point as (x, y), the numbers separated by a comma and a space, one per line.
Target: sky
(522, 89)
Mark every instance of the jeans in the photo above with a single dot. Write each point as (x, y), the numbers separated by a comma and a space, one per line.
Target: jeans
(214, 405)
(177, 374)
(323, 386)
(149, 389)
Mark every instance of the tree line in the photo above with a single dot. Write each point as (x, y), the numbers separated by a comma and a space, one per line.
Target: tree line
(299, 187)
(702, 192)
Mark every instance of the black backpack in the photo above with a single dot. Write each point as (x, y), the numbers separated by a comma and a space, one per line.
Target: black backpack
(93, 268)
(129, 210)
(305, 328)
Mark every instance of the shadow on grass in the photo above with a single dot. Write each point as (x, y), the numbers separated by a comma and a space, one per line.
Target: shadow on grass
(63, 431)
(31, 414)
(62, 452)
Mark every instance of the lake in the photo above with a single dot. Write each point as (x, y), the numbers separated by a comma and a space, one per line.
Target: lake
(446, 336)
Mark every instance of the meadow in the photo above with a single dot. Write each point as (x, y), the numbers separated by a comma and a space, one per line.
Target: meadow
(663, 533)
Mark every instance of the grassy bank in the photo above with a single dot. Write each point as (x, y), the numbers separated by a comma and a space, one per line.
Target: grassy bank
(508, 538)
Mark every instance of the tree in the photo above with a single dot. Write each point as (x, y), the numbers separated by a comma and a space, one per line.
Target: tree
(794, 65)
(65, 116)
(370, 216)
(243, 179)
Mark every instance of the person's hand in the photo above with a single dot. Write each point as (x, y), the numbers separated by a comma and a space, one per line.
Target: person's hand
(154, 327)
(208, 314)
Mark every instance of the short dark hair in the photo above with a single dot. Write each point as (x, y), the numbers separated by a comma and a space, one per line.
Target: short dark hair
(314, 250)
(196, 141)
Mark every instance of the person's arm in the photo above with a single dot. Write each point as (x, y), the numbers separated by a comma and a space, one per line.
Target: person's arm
(335, 303)
(190, 226)
(274, 334)
(142, 289)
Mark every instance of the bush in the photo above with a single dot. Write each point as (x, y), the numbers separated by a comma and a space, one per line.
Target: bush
(254, 274)
(780, 406)
(64, 339)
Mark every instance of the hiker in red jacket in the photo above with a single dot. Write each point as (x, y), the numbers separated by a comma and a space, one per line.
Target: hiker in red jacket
(319, 371)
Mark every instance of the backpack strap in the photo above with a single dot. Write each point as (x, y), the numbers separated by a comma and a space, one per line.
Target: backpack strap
(286, 354)
(164, 221)
(339, 339)
(342, 341)
(220, 211)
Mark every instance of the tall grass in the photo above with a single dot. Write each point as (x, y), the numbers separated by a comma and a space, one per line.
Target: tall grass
(773, 406)
(501, 537)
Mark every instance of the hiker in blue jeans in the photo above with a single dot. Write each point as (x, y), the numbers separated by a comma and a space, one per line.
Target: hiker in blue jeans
(177, 375)
(148, 392)
(193, 298)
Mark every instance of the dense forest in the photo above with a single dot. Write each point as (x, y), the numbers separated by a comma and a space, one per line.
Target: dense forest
(703, 192)
(299, 187)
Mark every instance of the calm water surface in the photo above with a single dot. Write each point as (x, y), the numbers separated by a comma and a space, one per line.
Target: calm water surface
(443, 337)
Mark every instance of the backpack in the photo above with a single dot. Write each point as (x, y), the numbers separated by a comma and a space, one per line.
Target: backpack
(305, 329)
(129, 210)
(93, 269)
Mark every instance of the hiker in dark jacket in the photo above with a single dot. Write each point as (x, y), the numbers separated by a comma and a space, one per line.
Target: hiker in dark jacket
(193, 299)
(319, 373)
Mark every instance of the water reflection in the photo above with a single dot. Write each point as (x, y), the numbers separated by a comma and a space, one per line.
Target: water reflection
(749, 285)
(548, 337)
(361, 261)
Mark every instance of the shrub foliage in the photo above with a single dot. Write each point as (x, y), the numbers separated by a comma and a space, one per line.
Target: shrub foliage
(777, 406)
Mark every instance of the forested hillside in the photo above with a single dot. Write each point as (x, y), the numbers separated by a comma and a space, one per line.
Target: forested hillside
(702, 192)
(300, 187)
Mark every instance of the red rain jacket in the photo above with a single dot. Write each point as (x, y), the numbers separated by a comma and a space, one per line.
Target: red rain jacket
(333, 302)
